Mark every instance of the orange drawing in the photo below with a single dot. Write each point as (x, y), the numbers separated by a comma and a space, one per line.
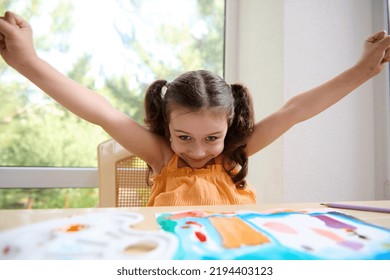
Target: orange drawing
(235, 232)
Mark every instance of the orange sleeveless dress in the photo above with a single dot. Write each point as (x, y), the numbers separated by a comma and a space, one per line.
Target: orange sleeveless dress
(186, 186)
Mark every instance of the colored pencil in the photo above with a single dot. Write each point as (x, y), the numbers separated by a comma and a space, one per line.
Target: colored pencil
(357, 207)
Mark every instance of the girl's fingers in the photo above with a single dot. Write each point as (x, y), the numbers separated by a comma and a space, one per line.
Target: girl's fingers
(386, 57)
(2, 42)
(376, 37)
(10, 18)
(385, 43)
(9, 22)
(5, 26)
(20, 22)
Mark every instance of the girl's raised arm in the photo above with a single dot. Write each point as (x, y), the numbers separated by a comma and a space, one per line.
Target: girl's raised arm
(308, 104)
(17, 50)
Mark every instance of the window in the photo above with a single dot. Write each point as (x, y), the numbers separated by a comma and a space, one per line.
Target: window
(117, 48)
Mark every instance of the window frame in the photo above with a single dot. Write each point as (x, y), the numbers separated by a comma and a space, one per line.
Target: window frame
(48, 177)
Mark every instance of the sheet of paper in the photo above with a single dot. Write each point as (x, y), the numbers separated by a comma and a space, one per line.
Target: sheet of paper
(104, 235)
(278, 234)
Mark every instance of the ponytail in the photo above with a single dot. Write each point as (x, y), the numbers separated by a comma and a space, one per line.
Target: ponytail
(155, 108)
(241, 127)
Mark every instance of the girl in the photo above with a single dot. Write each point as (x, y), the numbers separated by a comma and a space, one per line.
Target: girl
(200, 129)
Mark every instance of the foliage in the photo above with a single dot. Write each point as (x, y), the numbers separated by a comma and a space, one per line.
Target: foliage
(48, 198)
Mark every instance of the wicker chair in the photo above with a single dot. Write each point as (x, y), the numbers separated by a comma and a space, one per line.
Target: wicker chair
(122, 177)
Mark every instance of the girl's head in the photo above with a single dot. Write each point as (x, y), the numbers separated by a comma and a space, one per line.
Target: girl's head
(202, 116)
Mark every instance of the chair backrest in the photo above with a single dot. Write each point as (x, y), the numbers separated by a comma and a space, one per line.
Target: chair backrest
(122, 177)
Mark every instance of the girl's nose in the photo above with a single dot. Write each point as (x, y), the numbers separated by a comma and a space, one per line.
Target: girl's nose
(197, 151)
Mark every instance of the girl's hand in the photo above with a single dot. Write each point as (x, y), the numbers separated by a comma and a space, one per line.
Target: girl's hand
(376, 53)
(16, 42)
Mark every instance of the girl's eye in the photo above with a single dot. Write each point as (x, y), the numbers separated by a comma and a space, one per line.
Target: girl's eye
(185, 137)
(211, 138)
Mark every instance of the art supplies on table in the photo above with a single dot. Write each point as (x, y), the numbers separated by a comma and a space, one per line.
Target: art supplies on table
(358, 207)
(279, 235)
(105, 235)
(275, 234)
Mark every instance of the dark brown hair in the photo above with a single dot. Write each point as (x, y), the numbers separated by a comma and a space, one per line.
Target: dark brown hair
(201, 90)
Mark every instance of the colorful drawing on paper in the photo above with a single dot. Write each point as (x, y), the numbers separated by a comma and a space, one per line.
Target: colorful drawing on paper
(275, 235)
(104, 235)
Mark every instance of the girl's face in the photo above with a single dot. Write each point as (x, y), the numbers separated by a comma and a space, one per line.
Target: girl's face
(197, 137)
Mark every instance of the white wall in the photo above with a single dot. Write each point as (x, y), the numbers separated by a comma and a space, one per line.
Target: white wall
(330, 157)
(284, 47)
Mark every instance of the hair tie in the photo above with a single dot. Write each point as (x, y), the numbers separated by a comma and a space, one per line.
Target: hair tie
(163, 91)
